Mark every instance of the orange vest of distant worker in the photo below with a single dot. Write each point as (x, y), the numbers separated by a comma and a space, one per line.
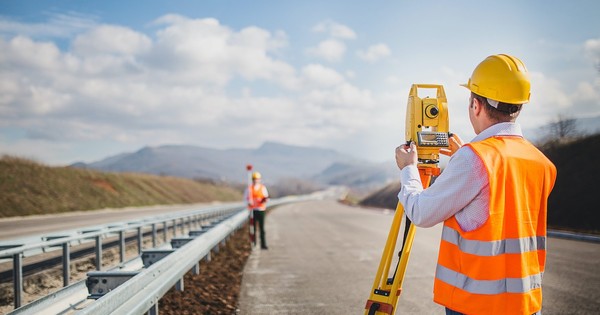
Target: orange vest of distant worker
(258, 197)
(498, 268)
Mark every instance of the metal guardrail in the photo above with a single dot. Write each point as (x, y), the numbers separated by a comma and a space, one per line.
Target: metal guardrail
(574, 236)
(141, 293)
(172, 221)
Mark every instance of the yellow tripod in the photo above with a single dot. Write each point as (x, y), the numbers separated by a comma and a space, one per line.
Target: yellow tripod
(427, 126)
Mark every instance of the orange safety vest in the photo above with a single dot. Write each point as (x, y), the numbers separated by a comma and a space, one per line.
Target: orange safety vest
(257, 197)
(498, 267)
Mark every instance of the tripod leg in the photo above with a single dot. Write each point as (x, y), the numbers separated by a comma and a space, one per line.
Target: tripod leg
(406, 228)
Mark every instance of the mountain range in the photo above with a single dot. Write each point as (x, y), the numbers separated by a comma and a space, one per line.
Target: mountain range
(276, 161)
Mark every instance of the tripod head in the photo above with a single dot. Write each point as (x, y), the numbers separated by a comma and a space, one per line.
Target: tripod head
(427, 123)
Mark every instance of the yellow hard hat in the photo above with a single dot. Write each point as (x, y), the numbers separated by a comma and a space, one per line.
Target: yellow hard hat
(502, 78)
(256, 175)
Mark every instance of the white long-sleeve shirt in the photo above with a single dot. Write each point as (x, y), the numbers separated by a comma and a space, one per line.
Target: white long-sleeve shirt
(462, 189)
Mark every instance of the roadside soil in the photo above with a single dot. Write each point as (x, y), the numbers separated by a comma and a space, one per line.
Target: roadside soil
(215, 290)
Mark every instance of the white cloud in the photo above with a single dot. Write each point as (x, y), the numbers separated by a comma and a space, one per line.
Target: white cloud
(592, 48)
(115, 85)
(23, 53)
(550, 98)
(592, 51)
(58, 26)
(334, 29)
(330, 50)
(321, 76)
(204, 50)
(375, 52)
(110, 39)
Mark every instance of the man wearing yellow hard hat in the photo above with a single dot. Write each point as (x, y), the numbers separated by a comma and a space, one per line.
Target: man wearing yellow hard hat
(257, 201)
(492, 198)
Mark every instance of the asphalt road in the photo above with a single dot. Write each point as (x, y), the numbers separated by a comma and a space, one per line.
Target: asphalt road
(323, 256)
(18, 227)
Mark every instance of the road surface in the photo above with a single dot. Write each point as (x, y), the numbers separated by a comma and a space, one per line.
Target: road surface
(323, 256)
(17, 227)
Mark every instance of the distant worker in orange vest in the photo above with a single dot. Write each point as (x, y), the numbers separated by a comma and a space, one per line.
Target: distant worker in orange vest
(257, 201)
(492, 198)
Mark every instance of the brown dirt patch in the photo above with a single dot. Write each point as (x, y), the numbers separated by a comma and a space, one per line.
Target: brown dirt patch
(104, 185)
(217, 288)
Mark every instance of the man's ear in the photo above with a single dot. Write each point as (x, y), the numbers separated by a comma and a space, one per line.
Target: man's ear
(476, 106)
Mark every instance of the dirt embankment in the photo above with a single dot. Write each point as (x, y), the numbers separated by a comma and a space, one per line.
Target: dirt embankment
(27, 188)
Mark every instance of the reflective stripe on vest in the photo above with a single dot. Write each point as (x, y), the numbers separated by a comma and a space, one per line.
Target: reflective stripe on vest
(508, 285)
(494, 248)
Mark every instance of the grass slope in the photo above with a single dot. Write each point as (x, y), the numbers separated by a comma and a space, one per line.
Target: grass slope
(28, 188)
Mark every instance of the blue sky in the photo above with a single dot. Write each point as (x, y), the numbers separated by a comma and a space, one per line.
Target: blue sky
(82, 80)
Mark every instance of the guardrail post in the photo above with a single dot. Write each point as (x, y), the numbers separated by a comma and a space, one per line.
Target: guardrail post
(174, 227)
(182, 225)
(140, 239)
(66, 264)
(196, 270)
(122, 246)
(98, 252)
(17, 279)
(153, 309)
(179, 285)
(153, 235)
(165, 230)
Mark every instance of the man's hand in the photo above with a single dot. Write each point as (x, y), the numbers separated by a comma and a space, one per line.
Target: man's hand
(455, 143)
(406, 155)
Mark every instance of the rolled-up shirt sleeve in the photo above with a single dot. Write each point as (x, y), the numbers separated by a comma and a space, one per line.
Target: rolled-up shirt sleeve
(461, 189)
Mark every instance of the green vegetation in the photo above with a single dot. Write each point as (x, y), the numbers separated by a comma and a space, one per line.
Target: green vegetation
(28, 188)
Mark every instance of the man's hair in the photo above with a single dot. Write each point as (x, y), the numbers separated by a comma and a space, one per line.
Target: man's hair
(504, 112)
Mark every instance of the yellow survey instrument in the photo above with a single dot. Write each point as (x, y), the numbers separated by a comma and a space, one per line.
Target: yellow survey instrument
(427, 126)
(427, 122)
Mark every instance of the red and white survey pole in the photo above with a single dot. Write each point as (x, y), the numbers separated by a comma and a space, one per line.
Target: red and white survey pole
(250, 203)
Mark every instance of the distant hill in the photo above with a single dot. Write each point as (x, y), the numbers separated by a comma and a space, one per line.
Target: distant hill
(275, 161)
(573, 203)
(363, 177)
(385, 197)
